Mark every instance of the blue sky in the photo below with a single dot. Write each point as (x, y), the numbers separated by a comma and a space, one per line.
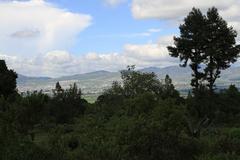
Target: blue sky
(112, 26)
(63, 37)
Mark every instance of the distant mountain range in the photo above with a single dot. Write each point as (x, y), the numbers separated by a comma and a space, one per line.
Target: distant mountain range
(96, 82)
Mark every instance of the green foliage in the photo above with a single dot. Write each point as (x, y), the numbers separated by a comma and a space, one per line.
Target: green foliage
(221, 50)
(141, 118)
(207, 44)
(135, 82)
(133, 120)
(168, 90)
(228, 106)
(66, 104)
(7, 80)
(159, 136)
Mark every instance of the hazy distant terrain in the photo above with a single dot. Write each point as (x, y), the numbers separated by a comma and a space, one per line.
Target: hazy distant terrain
(96, 82)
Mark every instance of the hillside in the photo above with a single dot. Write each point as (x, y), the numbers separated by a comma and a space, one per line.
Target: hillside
(96, 82)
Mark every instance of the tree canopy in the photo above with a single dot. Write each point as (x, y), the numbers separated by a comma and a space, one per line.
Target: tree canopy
(207, 44)
(8, 82)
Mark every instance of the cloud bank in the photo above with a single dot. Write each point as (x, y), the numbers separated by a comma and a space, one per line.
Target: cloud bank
(175, 10)
(59, 62)
(35, 26)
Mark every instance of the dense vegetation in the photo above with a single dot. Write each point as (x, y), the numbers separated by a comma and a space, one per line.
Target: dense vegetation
(142, 118)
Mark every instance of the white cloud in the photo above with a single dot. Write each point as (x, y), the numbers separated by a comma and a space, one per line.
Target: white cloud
(154, 30)
(36, 42)
(48, 27)
(146, 52)
(175, 10)
(114, 2)
(27, 33)
(172, 9)
(58, 57)
(59, 62)
(166, 40)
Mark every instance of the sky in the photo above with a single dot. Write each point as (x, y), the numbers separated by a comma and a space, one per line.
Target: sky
(64, 37)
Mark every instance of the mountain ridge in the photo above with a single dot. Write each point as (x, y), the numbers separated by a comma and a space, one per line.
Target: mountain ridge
(97, 81)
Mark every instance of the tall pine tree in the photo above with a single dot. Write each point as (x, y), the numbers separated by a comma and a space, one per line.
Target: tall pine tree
(207, 44)
(221, 50)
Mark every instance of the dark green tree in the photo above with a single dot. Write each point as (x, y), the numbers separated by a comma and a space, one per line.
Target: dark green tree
(7, 80)
(221, 48)
(67, 104)
(190, 45)
(169, 89)
(207, 44)
(136, 82)
(58, 89)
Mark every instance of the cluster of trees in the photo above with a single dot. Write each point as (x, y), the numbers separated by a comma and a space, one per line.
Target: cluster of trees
(207, 44)
(140, 117)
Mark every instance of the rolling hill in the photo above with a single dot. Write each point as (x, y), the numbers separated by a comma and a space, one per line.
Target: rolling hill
(96, 82)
